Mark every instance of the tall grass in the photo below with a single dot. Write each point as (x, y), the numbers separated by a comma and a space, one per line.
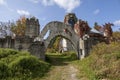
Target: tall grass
(106, 63)
(103, 63)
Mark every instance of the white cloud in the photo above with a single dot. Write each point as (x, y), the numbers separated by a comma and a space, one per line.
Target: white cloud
(117, 23)
(23, 12)
(44, 2)
(68, 5)
(2, 2)
(97, 11)
(35, 1)
(47, 2)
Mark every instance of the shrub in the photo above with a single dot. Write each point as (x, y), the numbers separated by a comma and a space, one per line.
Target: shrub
(4, 71)
(11, 57)
(28, 66)
(15, 65)
(51, 50)
(7, 52)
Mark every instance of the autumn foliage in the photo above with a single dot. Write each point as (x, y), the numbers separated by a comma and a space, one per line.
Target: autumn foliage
(19, 28)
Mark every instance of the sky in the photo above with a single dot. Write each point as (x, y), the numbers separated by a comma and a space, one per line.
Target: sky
(100, 11)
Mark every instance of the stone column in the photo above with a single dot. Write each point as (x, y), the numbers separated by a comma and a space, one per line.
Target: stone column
(38, 49)
(84, 46)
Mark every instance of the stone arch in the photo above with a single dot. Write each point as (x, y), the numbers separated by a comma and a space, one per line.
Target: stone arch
(57, 28)
(48, 40)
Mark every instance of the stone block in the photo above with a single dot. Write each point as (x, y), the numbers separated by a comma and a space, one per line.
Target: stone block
(38, 49)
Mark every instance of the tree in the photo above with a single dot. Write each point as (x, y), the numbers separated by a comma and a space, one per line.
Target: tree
(19, 28)
(54, 44)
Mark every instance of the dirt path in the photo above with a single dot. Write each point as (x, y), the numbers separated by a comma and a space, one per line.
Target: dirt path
(69, 73)
(61, 69)
(64, 72)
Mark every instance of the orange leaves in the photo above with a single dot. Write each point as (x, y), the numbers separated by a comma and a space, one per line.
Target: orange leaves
(20, 27)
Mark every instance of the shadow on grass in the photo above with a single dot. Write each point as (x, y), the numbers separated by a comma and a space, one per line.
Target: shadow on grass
(57, 59)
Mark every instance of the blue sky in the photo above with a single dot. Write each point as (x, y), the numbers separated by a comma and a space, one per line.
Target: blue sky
(101, 11)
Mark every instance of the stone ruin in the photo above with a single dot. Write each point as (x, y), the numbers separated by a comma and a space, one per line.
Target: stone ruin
(22, 42)
(78, 35)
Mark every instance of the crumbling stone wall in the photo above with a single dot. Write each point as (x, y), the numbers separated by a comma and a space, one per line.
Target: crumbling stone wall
(23, 43)
(7, 42)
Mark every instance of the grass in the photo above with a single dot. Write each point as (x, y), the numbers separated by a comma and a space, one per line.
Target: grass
(85, 72)
(15, 65)
(103, 63)
(55, 58)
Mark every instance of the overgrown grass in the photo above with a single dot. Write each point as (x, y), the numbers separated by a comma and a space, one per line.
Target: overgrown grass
(15, 65)
(103, 63)
(60, 58)
(85, 71)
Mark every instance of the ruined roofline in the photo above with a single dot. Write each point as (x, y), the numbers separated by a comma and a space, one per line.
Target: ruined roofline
(32, 19)
(70, 14)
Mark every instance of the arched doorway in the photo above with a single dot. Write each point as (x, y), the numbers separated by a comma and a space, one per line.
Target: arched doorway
(55, 29)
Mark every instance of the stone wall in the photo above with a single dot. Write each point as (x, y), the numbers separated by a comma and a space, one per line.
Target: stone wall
(23, 43)
(26, 42)
(7, 42)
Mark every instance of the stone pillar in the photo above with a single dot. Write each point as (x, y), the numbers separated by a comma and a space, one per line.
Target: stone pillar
(1, 43)
(12, 44)
(38, 49)
(78, 50)
(69, 46)
(84, 46)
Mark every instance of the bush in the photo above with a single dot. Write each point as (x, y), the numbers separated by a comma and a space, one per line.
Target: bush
(8, 59)
(50, 50)
(4, 71)
(7, 52)
(28, 66)
(15, 65)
